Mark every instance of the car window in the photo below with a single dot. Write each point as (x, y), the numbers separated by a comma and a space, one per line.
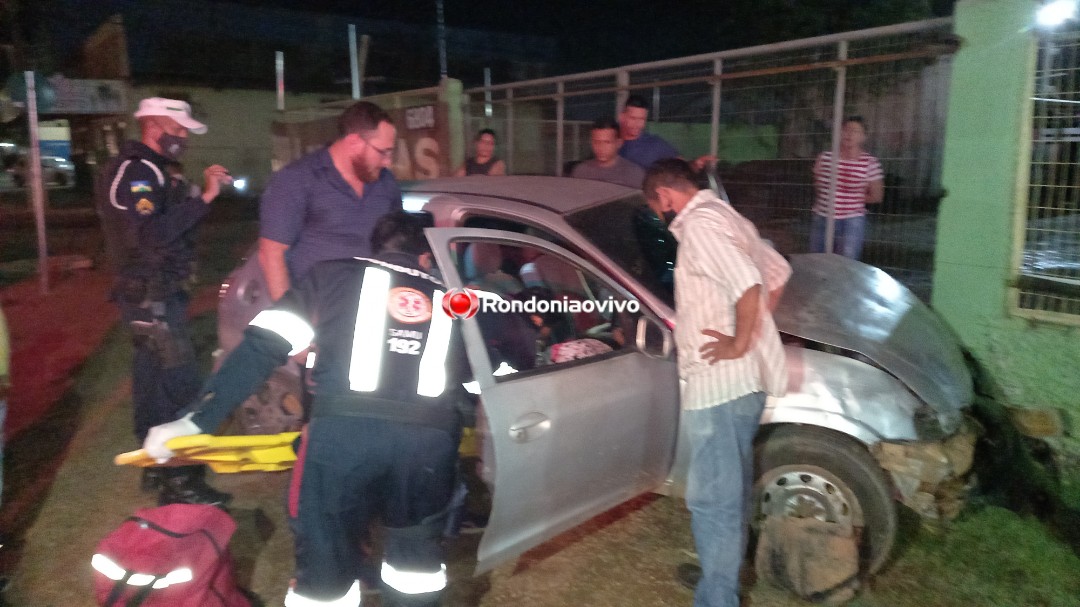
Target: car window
(629, 233)
(538, 310)
(510, 225)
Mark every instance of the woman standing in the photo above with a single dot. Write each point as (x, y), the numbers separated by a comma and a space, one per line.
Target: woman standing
(484, 162)
(859, 182)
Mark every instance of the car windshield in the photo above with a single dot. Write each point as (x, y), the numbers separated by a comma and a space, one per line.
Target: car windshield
(629, 233)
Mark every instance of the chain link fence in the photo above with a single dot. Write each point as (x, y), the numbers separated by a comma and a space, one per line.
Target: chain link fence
(1048, 265)
(766, 112)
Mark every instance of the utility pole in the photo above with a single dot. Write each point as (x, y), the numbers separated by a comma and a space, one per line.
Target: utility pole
(442, 39)
(37, 190)
(353, 63)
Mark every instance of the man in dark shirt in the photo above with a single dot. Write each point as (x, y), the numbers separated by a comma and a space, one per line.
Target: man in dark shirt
(641, 147)
(149, 222)
(385, 423)
(323, 206)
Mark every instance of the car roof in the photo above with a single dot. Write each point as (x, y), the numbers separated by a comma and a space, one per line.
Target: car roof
(561, 195)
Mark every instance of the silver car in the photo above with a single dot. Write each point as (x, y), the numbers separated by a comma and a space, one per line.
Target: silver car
(873, 413)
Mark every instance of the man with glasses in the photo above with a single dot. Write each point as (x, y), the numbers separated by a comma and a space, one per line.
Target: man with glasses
(323, 206)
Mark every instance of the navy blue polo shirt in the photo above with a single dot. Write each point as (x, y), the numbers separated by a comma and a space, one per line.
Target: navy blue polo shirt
(647, 149)
(309, 206)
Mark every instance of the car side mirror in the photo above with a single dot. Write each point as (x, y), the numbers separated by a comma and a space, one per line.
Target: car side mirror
(653, 338)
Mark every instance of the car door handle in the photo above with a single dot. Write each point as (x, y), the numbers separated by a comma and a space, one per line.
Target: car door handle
(529, 426)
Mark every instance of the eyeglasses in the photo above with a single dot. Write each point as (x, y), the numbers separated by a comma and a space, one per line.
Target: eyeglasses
(386, 153)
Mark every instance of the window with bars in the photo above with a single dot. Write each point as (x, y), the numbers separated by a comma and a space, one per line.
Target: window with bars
(1048, 281)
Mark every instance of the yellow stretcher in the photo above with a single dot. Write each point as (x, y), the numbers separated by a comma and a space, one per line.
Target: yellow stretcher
(245, 453)
(248, 453)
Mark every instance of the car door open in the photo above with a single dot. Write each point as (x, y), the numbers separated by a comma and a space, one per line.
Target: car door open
(582, 415)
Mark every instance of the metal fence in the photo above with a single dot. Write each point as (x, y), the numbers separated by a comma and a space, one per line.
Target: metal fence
(1048, 257)
(766, 112)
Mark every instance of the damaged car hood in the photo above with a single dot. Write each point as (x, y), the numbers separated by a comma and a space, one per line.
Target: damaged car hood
(843, 303)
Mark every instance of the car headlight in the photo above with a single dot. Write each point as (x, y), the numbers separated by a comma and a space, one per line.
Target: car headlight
(928, 424)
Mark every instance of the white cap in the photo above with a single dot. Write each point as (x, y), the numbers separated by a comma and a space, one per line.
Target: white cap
(179, 111)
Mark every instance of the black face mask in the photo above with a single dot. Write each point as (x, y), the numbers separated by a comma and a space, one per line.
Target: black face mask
(172, 146)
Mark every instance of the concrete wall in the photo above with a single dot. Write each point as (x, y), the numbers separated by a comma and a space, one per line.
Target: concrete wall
(987, 151)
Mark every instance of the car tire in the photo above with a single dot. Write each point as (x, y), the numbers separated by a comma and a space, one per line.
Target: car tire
(806, 471)
(274, 409)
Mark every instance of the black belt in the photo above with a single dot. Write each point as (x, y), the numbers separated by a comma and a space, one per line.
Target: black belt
(440, 416)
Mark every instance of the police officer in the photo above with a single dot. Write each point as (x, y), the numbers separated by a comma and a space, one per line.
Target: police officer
(386, 415)
(149, 221)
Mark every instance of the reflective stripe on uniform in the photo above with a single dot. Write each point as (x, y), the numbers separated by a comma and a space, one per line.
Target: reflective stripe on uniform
(116, 183)
(432, 377)
(107, 567)
(413, 582)
(156, 170)
(351, 599)
(368, 334)
(120, 176)
(289, 326)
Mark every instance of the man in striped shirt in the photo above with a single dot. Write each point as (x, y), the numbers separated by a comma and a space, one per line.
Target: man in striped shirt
(727, 279)
(859, 182)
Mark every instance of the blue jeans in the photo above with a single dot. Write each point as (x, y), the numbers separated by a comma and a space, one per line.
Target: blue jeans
(848, 235)
(718, 493)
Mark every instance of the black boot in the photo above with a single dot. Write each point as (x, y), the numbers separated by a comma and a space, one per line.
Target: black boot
(688, 574)
(187, 485)
(152, 479)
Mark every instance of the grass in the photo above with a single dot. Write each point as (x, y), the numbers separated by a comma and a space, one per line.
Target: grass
(990, 556)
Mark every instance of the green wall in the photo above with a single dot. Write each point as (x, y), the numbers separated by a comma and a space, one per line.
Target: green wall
(1030, 363)
(737, 142)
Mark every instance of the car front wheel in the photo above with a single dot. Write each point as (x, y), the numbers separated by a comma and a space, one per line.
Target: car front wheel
(811, 472)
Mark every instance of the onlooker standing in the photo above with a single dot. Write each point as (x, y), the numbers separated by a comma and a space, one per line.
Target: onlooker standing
(606, 164)
(859, 182)
(324, 205)
(149, 222)
(730, 357)
(641, 147)
(484, 162)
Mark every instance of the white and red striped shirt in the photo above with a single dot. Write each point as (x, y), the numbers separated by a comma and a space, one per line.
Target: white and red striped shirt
(852, 182)
(720, 257)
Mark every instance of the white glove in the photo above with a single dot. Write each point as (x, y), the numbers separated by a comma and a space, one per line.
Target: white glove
(154, 445)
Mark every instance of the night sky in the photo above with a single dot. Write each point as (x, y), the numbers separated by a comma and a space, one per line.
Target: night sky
(596, 34)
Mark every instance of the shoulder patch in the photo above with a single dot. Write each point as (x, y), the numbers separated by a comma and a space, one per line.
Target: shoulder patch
(144, 206)
(408, 305)
(141, 186)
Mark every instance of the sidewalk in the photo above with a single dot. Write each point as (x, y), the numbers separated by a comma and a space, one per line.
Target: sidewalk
(52, 335)
(69, 413)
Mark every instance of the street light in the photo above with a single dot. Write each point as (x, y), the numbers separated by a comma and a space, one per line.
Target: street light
(1053, 14)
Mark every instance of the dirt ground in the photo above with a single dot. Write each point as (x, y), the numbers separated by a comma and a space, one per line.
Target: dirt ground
(63, 494)
(72, 414)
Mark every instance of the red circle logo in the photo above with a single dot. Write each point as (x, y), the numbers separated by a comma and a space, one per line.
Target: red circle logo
(460, 303)
(408, 305)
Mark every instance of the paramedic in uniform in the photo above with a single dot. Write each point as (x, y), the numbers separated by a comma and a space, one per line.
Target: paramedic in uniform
(149, 222)
(386, 415)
